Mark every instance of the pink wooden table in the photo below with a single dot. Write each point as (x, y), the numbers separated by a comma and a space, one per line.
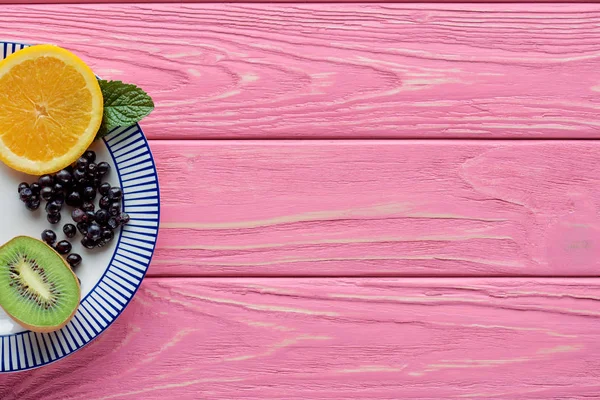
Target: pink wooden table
(360, 201)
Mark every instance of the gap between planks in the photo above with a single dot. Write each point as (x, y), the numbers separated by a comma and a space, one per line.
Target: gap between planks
(454, 139)
(79, 2)
(368, 276)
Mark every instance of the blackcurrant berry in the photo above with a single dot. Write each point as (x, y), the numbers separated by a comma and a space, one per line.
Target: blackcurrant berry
(89, 193)
(103, 168)
(82, 227)
(46, 180)
(92, 170)
(35, 188)
(23, 185)
(53, 218)
(90, 155)
(102, 216)
(47, 193)
(78, 176)
(82, 163)
(104, 202)
(104, 188)
(113, 223)
(74, 199)
(74, 260)
(94, 232)
(52, 207)
(78, 215)
(25, 194)
(107, 235)
(49, 236)
(88, 243)
(124, 218)
(32, 204)
(69, 230)
(63, 247)
(90, 216)
(115, 209)
(64, 177)
(115, 193)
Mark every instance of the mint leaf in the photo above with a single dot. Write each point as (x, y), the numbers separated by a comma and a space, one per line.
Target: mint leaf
(124, 105)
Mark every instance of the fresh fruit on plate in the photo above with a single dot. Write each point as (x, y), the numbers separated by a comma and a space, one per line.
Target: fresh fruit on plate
(51, 107)
(37, 287)
(78, 186)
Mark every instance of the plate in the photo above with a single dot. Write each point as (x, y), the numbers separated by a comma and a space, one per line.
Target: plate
(109, 276)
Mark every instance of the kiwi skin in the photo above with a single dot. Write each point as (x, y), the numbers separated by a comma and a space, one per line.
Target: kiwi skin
(46, 329)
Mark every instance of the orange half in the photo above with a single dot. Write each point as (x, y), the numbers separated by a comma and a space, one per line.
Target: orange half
(50, 109)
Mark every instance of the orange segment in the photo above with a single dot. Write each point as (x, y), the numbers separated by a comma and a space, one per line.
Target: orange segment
(50, 109)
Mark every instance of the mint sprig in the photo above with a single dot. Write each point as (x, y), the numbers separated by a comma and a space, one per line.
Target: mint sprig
(124, 105)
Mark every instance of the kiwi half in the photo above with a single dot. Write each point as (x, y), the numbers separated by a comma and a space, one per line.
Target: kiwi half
(37, 287)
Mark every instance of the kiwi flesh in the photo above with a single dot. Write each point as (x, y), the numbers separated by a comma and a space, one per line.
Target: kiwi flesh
(37, 287)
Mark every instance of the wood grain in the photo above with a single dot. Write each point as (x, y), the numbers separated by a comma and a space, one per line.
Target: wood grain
(340, 71)
(271, 1)
(346, 208)
(337, 339)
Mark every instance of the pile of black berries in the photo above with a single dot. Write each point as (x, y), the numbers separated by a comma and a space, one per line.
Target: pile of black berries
(78, 186)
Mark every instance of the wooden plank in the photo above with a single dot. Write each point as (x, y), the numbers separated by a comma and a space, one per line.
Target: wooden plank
(341, 70)
(338, 339)
(272, 1)
(345, 208)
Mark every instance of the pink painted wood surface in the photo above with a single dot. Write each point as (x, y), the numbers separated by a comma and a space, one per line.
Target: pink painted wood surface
(276, 1)
(337, 339)
(352, 208)
(342, 208)
(332, 70)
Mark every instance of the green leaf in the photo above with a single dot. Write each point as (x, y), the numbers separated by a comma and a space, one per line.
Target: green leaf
(124, 105)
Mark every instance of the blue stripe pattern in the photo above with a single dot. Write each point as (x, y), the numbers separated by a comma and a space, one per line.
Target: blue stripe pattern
(135, 167)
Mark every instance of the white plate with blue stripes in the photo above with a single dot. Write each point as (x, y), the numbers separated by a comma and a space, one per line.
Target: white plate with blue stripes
(109, 276)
